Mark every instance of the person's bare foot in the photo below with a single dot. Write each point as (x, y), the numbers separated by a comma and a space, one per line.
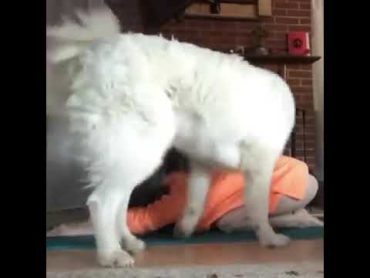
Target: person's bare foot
(238, 221)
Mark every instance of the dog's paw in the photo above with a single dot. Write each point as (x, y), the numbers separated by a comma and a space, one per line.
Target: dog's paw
(135, 245)
(274, 240)
(118, 258)
(181, 232)
(185, 227)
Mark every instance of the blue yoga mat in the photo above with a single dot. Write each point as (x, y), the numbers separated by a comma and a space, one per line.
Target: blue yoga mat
(165, 237)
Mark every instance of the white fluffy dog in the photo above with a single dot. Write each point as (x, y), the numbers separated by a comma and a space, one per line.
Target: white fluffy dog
(134, 96)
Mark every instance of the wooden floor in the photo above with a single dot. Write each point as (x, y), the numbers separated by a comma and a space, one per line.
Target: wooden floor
(299, 251)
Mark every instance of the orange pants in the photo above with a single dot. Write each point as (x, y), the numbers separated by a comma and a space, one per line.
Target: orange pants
(226, 192)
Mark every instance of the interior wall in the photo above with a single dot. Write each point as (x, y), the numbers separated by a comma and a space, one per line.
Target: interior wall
(318, 82)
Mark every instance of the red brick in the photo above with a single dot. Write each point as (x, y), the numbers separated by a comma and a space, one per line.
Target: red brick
(306, 98)
(298, 92)
(300, 73)
(224, 41)
(279, 11)
(308, 140)
(215, 33)
(308, 147)
(305, 6)
(225, 25)
(179, 28)
(305, 20)
(276, 44)
(306, 82)
(298, 13)
(278, 35)
(243, 40)
(302, 27)
(304, 87)
(274, 2)
(300, 101)
(276, 27)
(268, 19)
(243, 33)
(297, 66)
(196, 24)
(310, 121)
(286, 5)
(302, 92)
(287, 20)
(310, 137)
(293, 81)
(306, 67)
(216, 45)
(279, 39)
(247, 25)
(308, 132)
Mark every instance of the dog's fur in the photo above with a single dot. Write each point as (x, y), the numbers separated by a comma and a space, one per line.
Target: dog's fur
(134, 96)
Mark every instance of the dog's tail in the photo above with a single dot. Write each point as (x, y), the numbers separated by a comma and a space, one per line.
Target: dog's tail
(72, 38)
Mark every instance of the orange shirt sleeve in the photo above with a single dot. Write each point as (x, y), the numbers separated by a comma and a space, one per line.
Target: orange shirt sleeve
(167, 210)
(225, 194)
(290, 177)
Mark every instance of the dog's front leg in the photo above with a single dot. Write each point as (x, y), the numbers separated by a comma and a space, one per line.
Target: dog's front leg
(103, 206)
(198, 184)
(258, 163)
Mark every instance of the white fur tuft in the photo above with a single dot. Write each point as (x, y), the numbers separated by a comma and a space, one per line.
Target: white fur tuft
(73, 38)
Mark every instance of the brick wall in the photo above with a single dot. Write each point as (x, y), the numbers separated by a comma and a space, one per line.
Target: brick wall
(288, 15)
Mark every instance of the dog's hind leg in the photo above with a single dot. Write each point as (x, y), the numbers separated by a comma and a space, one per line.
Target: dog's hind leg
(108, 203)
(258, 163)
(124, 154)
(199, 181)
(215, 154)
(104, 203)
